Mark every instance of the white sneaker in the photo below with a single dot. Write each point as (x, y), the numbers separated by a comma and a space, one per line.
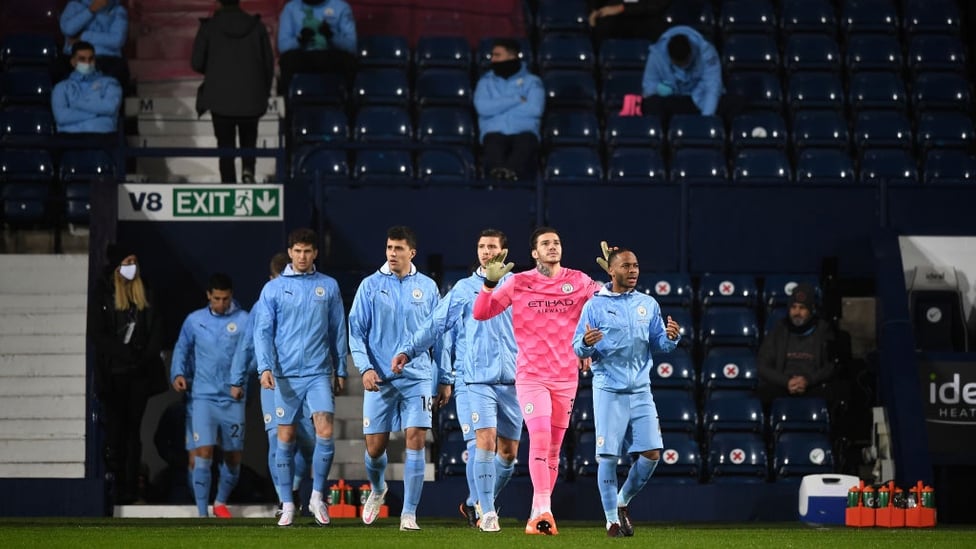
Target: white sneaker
(286, 518)
(371, 509)
(408, 523)
(320, 512)
(489, 523)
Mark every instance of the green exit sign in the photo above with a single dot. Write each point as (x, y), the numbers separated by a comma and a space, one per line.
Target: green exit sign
(167, 202)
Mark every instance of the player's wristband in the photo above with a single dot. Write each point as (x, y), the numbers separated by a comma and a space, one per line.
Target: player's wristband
(490, 283)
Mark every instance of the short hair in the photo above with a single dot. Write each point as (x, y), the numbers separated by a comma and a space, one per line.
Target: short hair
(495, 233)
(81, 45)
(614, 253)
(534, 239)
(402, 232)
(220, 281)
(679, 49)
(278, 263)
(511, 45)
(303, 236)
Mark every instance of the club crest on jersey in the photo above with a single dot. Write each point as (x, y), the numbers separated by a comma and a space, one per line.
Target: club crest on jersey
(279, 411)
(567, 288)
(417, 294)
(599, 442)
(529, 408)
(465, 428)
(475, 417)
(365, 422)
(196, 437)
(231, 327)
(641, 311)
(267, 419)
(329, 11)
(319, 291)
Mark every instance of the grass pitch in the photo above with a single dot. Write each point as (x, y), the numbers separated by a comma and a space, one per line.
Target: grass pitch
(452, 534)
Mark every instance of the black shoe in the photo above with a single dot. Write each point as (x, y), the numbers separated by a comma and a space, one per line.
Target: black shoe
(615, 531)
(467, 511)
(626, 527)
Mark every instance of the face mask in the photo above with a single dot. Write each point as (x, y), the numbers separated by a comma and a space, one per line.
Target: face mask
(128, 272)
(507, 68)
(84, 69)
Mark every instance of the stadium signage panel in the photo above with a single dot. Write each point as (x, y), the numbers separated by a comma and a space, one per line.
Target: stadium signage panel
(949, 403)
(183, 202)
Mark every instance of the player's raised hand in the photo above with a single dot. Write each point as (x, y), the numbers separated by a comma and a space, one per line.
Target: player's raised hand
(398, 362)
(672, 328)
(592, 336)
(496, 267)
(603, 262)
(267, 380)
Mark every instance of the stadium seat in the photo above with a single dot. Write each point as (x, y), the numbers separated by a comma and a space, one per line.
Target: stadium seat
(888, 165)
(439, 166)
(798, 414)
(321, 163)
(824, 166)
(799, 454)
(582, 415)
(25, 185)
(874, 52)
(729, 326)
(765, 130)
(443, 51)
(485, 45)
(568, 16)
(689, 337)
(573, 165)
(317, 89)
(566, 51)
(807, 16)
(719, 289)
(319, 125)
(812, 52)
(633, 165)
(384, 51)
(941, 91)
(438, 86)
(949, 166)
(820, 129)
(26, 87)
(673, 371)
(633, 131)
(936, 53)
(623, 53)
(877, 90)
(617, 84)
(747, 16)
(676, 411)
(447, 418)
(381, 87)
(773, 318)
(699, 166)
(882, 129)
(671, 290)
(764, 90)
(446, 125)
(77, 203)
(737, 458)
(750, 52)
(77, 165)
(26, 125)
(454, 457)
(569, 89)
(934, 17)
(584, 457)
(20, 50)
(815, 90)
(869, 16)
(696, 131)
(382, 166)
(571, 128)
(944, 130)
(740, 413)
(779, 287)
(698, 15)
(680, 460)
(383, 125)
(761, 166)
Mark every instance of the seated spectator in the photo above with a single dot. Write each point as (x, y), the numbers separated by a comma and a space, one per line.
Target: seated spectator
(87, 102)
(316, 36)
(105, 25)
(683, 75)
(233, 51)
(509, 101)
(627, 18)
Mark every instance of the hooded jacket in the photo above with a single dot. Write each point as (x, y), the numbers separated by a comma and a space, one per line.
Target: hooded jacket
(297, 14)
(204, 350)
(86, 103)
(702, 80)
(106, 30)
(500, 105)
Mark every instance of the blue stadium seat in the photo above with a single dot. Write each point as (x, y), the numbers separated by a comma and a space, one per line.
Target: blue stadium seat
(723, 326)
(877, 90)
(383, 125)
(623, 53)
(949, 166)
(742, 414)
(562, 16)
(573, 165)
(676, 411)
(882, 129)
(390, 165)
(764, 90)
(381, 87)
(673, 371)
(941, 91)
(635, 165)
(680, 460)
(453, 458)
(569, 89)
(26, 125)
(26, 87)
(446, 125)
(824, 166)
(696, 131)
(889, 165)
(737, 458)
(815, 90)
(566, 51)
(936, 53)
(438, 166)
(447, 418)
(317, 89)
(931, 17)
(384, 51)
(747, 16)
(86, 165)
(762, 166)
(779, 287)
(25, 185)
(321, 163)
(698, 15)
(869, 16)
(485, 46)
(17, 50)
(944, 129)
(820, 129)
(77, 203)
(798, 414)
(699, 166)
(571, 128)
(750, 52)
(799, 454)
(874, 52)
(807, 16)
(773, 318)
(765, 130)
(582, 415)
(319, 125)
(443, 87)
(671, 290)
(812, 52)
(443, 51)
(633, 131)
(584, 457)
(617, 84)
(728, 289)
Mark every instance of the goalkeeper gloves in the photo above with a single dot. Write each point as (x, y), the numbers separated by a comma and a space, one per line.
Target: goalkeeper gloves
(496, 269)
(603, 261)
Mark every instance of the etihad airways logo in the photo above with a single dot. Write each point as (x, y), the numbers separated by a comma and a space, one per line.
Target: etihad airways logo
(551, 305)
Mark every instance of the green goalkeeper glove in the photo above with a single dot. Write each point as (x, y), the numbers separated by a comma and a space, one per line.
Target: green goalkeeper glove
(496, 269)
(602, 261)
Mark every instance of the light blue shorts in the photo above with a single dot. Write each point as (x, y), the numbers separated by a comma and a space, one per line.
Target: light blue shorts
(461, 401)
(292, 394)
(212, 418)
(397, 405)
(613, 413)
(495, 407)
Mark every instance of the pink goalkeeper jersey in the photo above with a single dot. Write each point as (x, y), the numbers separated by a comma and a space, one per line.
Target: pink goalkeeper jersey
(544, 316)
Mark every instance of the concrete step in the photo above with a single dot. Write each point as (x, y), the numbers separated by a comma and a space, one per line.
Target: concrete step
(42, 365)
(174, 87)
(157, 124)
(349, 406)
(41, 429)
(185, 106)
(42, 386)
(189, 169)
(42, 470)
(69, 407)
(33, 302)
(43, 322)
(394, 471)
(43, 274)
(65, 450)
(270, 141)
(43, 344)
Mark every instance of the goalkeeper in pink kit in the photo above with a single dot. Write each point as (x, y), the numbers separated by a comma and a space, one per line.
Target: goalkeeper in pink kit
(546, 303)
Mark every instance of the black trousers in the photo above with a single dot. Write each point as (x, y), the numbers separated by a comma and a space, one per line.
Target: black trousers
(667, 106)
(123, 406)
(518, 152)
(298, 61)
(228, 129)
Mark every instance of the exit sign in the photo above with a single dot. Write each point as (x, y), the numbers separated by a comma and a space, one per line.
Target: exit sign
(188, 202)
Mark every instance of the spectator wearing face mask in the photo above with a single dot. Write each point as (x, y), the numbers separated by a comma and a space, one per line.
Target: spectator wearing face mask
(316, 36)
(510, 101)
(87, 102)
(105, 25)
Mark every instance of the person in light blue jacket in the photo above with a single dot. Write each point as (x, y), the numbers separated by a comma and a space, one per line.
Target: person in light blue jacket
(683, 75)
(201, 365)
(300, 343)
(103, 23)
(619, 329)
(485, 363)
(315, 36)
(389, 307)
(510, 101)
(87, 102)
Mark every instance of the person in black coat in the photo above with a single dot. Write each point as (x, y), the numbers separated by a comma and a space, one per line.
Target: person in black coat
(127, 335)
(233, 52)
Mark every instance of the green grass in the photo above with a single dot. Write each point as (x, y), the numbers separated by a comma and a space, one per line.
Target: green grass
(450, 534)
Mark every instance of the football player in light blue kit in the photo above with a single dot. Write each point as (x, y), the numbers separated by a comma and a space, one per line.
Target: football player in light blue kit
(201, 364)
(390, 305)
(485, 352)
(243, 365)
(620, 328)
(300, 343)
